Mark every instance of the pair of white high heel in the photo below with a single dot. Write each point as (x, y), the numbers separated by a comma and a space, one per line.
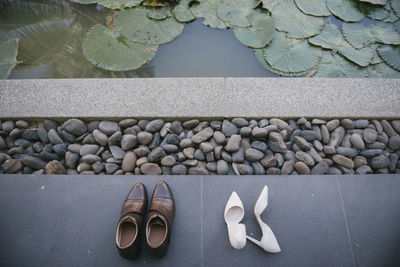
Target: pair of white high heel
(234, 213)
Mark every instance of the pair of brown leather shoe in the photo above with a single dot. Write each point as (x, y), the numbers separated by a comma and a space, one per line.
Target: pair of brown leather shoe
(158, 225)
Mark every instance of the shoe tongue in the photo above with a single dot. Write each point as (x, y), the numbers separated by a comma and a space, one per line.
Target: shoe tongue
(157, 220)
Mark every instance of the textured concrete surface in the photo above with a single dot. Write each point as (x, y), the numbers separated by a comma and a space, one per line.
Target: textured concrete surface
(200, 97)
(349, 220)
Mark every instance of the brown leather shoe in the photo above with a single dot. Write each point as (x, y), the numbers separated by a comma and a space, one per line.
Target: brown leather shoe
(128, 231)
(159, 220)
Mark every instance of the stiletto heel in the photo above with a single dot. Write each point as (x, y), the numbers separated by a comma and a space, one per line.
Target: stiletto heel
(234, 213)
(268, 240)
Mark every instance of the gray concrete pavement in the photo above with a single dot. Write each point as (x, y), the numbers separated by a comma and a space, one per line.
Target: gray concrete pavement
(349, 220)
(200, 97)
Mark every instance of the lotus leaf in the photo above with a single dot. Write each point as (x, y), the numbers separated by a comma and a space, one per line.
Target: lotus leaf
(270, 4)
(259, 54)
(376, 59)
(378, 12)
(290, 19)
(395, 4)
(333, 65)
(182, 12)
(109, 50)
(259, 34)
(8, 57)
(85, 1)
(382, 70)
(208, 10)
(331, 38)
(347, 10)
(159, 13)
(136, 26)
(360, 36)
(375, 2)
(392, 16)
(291, 55)
(119, 4)
(391, 55)
(313, 7)
(235, 12)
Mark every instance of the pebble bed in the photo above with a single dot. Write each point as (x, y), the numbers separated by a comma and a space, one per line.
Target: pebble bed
(237, 146)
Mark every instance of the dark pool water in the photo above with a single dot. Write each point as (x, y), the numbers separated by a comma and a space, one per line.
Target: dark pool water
(51, 33)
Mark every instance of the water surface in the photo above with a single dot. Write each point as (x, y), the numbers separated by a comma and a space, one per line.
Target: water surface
(51, 34)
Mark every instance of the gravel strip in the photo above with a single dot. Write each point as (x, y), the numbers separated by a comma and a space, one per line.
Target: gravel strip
(238, 146)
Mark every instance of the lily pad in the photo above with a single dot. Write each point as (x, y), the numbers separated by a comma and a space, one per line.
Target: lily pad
(235, 12)
(331, 38)
(313, 7)
(375, 2)
(392, 14)
(159, 13)
(259, 34)
(382, 70)
(8, 57)
(119, 4)
(109, 50)
(347, 10)
(395, 4)
(378, 12)
(360, 36)
(335, 66)
(376, 59)
(182, 12)
(85, 1)
(290, 19)
(391, 55)
(136, 26)
(291, 55)
(259, 54)
(208, 10)
(270, 4)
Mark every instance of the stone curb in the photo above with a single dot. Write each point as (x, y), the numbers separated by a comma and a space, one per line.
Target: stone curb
(204, 98)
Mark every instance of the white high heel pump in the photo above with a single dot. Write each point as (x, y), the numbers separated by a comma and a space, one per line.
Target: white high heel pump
(268, 240)
(234, 213)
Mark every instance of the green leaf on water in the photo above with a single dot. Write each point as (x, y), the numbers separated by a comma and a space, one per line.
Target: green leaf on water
(360, 36)
(291, 55)
(375, 2)
(347, 10)
(270, 4)
(159, 13)
(207, 9)
(313, 7)
(259, 34)
(382, 70)
(335, 66)
(8, 57)
(391, 55)
(85, 1)
(182, 12)
(331, 38)
(395, 4)
(378, 12)
(135, 25)
(376, 59)
(290, 19)
(235, 12)
(259, 54)
(119, 4)
(109, 50)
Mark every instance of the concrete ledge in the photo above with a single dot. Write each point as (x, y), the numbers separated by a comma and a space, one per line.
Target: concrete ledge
(200, 98)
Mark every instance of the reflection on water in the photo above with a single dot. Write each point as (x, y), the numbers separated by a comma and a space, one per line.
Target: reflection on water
(51, 33)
